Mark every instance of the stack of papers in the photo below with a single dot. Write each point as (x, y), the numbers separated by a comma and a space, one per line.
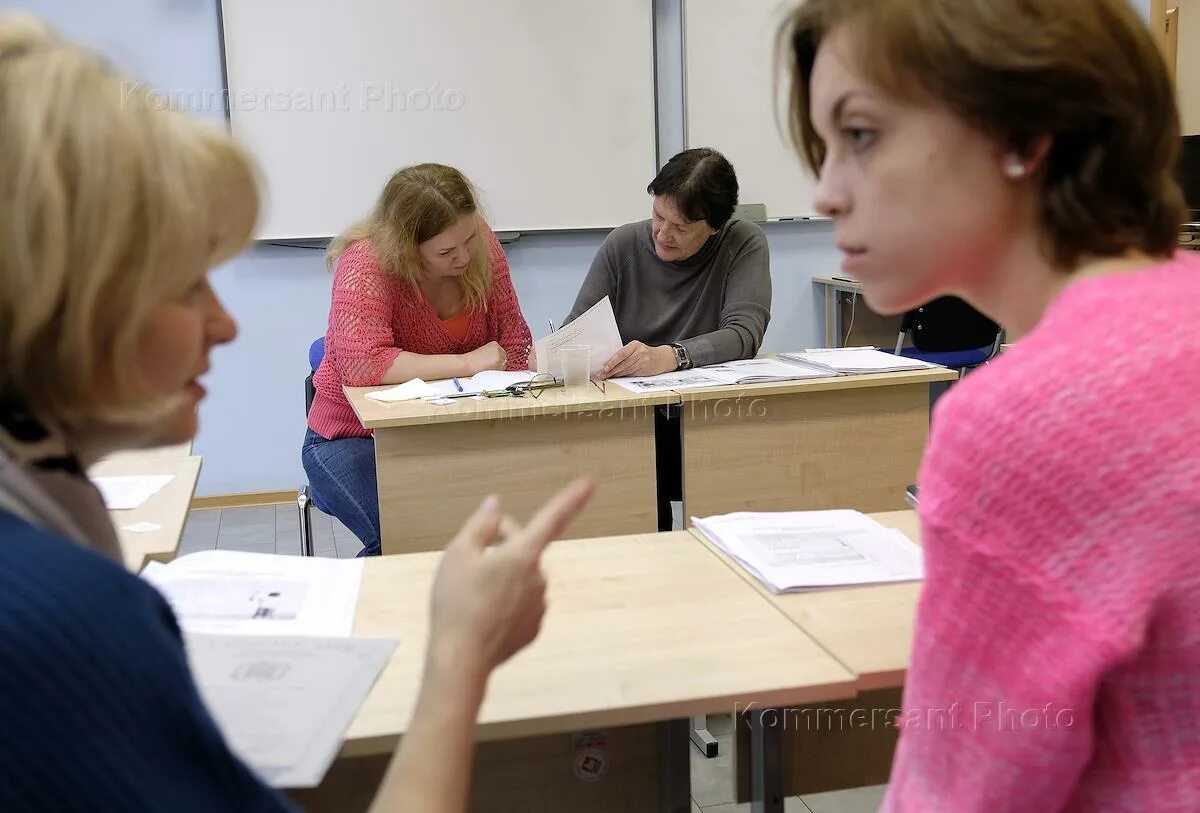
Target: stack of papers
(854, 361)
(123, 493)
(801, 550)
(268, 643)
(746, 371)
(487, 381)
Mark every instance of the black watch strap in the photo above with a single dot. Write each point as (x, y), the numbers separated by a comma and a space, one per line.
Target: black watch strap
(682, 360)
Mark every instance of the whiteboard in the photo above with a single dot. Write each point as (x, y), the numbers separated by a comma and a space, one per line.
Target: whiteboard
(730, 86)
(547, 106)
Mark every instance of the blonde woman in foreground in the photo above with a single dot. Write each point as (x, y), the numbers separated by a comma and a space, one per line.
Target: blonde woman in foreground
(111, 214)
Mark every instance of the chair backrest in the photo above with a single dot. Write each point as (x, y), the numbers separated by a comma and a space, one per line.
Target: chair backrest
(316, 353)
(947, 324)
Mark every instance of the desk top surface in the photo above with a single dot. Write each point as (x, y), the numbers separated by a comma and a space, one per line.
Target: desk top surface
(839, 282)
(808, 385)
(640, 628)
(168, 508)
(867, 629)
(176, 452)
(375, 415)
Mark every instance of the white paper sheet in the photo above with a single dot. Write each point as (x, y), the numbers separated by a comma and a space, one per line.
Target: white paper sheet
(854, 360)
(284, 703)
(234, 592)
(123, 492)
(800, 550)
(408, 391)
(679, 380)
(745, 371)
(596, 328)
(141, 527)
(488, 380)
(758, 371)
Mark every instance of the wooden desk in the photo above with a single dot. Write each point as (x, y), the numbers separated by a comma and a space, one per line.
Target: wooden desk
(842, 296)
(168, 508)
(640, 629)
(176, 452)
(831, 287)
(843, 442)
(869, 631)
(435, 463)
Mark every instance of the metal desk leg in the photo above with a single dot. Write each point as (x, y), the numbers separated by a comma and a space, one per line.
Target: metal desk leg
(766, 742)
(674, 768)
(304, 504)
(833, 327)
(701, 737)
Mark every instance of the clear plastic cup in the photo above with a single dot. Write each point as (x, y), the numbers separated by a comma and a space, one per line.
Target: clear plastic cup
(575, 361)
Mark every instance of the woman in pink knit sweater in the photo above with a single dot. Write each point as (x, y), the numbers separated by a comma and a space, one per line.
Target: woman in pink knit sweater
(1019, 154)
(421, 289)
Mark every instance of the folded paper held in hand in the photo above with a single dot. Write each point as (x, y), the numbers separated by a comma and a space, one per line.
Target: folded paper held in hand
(596, 328)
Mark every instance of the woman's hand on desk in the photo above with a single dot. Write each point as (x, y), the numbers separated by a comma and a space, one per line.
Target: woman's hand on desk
(637, 358)
(489, 594)
(489, 357)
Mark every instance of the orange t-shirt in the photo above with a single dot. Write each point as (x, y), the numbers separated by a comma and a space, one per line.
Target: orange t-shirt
(458, 324)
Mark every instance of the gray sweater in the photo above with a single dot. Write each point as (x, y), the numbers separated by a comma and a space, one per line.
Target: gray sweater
(716, 303)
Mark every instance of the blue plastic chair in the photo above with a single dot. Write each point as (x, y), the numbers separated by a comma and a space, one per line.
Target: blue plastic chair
(307, 498)
(960, 360)
(949, 332)
(316, 354)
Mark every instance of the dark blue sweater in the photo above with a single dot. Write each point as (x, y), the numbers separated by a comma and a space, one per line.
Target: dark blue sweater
(98, 710)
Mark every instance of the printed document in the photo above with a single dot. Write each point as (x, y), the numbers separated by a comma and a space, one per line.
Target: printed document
(123, 492)
(284, 703)
(800, 550)
(234, 592)
(595, 328)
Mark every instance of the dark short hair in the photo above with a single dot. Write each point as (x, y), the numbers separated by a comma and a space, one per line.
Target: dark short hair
(702, 183)
(1085, 73)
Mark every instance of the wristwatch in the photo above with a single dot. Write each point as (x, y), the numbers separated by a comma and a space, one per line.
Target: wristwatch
(682, 360)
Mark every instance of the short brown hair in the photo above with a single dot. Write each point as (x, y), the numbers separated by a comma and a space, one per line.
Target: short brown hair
(702, 183)
(417, 204)
(1086, 73)
(109, 206)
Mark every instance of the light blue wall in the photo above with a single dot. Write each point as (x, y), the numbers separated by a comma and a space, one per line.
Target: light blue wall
(253, 419)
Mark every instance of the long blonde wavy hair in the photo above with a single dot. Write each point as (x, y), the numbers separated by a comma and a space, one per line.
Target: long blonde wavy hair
(110, 205)
(418, 203)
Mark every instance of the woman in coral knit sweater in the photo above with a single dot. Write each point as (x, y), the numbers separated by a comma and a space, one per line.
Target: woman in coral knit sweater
(421, 289)
(1020, 154)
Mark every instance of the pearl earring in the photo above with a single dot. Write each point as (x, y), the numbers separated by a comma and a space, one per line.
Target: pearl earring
(1014, 168)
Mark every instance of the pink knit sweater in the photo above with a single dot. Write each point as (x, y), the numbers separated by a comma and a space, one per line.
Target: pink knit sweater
(373, 317)
(1056, 665)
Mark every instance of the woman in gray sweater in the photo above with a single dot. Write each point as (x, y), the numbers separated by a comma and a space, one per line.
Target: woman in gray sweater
(691, 285)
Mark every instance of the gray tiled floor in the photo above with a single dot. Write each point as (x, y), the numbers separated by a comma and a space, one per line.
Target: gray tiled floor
(276, 529)
(265, 529)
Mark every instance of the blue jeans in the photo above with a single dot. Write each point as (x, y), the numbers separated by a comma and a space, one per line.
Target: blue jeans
(341, 475)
